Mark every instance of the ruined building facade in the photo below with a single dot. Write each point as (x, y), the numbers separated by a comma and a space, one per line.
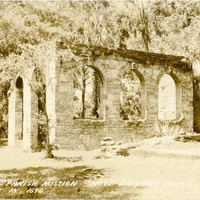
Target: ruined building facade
(164, 103)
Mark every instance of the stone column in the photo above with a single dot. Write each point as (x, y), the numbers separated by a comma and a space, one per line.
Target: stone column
(27, 117)
(113, 100)
(34, 119)
(64, 108)
(101, 106)
(11, 119)
(112, 92)
(50, 99)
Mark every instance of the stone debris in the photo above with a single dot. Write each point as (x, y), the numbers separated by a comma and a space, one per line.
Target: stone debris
(107, 143)
(188, 137)
(110, 148)
(105, 139)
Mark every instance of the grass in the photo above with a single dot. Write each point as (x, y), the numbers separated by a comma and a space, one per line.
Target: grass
(76, 176)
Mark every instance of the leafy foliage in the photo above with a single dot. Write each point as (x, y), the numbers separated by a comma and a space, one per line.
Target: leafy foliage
(130, 96)
(133, 24)
(86, 94)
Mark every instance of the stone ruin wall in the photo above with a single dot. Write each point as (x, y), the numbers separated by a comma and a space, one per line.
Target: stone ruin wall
(87, 134)
(73, 133)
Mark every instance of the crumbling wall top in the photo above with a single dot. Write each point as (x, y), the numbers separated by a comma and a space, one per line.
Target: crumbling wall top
(83, 50)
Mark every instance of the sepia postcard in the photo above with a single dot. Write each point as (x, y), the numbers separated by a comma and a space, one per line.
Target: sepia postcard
(99, 99)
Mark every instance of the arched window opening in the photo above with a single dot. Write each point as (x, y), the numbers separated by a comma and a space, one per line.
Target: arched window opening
(19, 109)
(87, 82)
(130, 96)
(19, 83)
(167, 98)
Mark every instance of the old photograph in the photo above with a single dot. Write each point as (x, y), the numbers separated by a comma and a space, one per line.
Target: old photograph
(100, 99)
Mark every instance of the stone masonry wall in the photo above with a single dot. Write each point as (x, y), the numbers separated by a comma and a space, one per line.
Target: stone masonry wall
(87, 134)
(196, 104)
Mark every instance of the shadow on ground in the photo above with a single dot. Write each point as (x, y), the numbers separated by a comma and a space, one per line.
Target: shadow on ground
(51, 183)
(3, 142)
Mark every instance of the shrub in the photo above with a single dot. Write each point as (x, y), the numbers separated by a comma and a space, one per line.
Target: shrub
(123, 152)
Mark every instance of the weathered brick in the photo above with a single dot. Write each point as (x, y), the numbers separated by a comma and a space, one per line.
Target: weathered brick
(76, 133)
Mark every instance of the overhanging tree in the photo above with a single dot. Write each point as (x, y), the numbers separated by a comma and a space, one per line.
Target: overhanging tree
(36, 59)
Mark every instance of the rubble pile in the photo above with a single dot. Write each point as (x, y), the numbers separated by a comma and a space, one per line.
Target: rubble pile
(112, 148)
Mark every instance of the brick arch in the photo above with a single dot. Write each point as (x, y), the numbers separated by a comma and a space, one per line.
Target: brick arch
(99, 73)
(35, 72)
(177, 91)
(135, 70)
(97, 66)
(140, 76)
(171, 73)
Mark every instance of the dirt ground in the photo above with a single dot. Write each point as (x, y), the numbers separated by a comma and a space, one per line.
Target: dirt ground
(160, 167)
